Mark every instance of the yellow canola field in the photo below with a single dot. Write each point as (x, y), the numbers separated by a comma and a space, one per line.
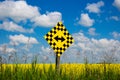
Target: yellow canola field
(66, 68)
(82, 68)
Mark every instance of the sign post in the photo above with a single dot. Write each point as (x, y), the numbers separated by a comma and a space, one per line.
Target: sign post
(59, 39)
(57, 67)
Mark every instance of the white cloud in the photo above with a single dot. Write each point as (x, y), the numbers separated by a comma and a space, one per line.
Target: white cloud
(17, 10)
(95, 7)
(80, 38)
(10, 26)
(98, 47)
(116, 18)
(116, 3)
(116, 35)
(45, 49)
(48, 19)
(85, 20)
(5, 49)
(17, 39)
(9, 50)
(20, 11)
(92, 32)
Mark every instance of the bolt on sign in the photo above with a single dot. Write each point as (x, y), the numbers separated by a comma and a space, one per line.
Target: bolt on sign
(59, 38)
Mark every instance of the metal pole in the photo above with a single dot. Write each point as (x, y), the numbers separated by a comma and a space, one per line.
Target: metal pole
(57, 63)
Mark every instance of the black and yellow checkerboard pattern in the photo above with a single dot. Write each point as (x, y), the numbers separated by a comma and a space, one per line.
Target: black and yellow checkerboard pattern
(59, 38)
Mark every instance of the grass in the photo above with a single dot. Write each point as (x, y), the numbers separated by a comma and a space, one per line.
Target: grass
(67, 72)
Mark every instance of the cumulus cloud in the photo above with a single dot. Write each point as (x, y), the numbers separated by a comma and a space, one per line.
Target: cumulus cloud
(98, 47)
(94, 7)
(17, 10)
(48, 55)
(92, 43)
(116, 18)
(85, 20)
(5, 49)
(48, 20)
(116, 3)
(11, 26)
(116, 35)
(92, 32)
(21, 39)
(20, 11)
(45, 49)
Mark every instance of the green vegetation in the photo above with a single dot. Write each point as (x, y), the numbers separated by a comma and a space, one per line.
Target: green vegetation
(67, 72)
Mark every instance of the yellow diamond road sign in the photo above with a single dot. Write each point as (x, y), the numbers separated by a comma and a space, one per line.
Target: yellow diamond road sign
(59, 38)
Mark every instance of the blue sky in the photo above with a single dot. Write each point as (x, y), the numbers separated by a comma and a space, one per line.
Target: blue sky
(94, 24)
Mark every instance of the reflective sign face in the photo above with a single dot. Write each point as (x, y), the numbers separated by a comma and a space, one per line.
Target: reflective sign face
(59, 38)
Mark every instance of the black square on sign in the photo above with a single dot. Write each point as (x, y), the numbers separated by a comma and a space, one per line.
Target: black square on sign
(47, 39)
(51, 39)
(54, 44)
(60, 48)
(71, 38)
(58, 28)
(67, 37)
(51, 31)
(71, 42)
(62, 25)
(50, 43)
(54, 32)
(57, 48)
(64, 49)
(54, 48)
(64, 33)
(68, 34)
(61, 29)
(51, 35)
(58, 24)
(60, 52)
(54, 28)
(67, 45)
(67, 41)
(64, 45)
(65, 30)
(47, 35)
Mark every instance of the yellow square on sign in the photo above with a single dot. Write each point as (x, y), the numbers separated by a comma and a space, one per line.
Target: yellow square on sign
(59, 38)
